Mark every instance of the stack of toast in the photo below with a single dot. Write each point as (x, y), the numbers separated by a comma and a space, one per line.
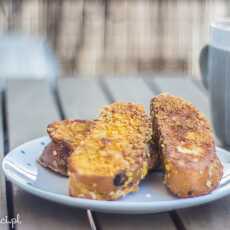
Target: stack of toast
(105, 159)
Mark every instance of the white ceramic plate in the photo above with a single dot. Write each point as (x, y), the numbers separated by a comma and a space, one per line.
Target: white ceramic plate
(21, 167)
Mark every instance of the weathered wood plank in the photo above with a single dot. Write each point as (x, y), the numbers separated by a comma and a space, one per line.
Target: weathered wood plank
(30, 108)
(216, 214)
(3, 206)
(207, 217)
(135, 222)
(81, 98)
(130, 89)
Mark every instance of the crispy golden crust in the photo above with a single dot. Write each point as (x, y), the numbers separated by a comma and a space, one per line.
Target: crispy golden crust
(113, 159)
(66, 135)
(72, 132)
(186, 146)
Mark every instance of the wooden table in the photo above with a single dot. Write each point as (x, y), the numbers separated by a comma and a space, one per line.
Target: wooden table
(28, 106)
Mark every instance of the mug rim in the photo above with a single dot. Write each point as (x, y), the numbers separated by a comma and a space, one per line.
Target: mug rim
(219, 24)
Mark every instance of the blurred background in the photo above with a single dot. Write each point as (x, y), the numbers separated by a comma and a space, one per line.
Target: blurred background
(108, 37)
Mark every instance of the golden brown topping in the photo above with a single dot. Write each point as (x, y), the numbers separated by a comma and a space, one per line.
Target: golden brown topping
(116, 143)
(181, 124)
(186, 146)
(119, 136)
(72, 132)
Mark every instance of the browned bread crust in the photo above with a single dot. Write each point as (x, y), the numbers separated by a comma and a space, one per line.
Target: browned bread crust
(66, 135)
(112, 159)
(54, 157)
(71, 132)
(153, 156)
(186, 147)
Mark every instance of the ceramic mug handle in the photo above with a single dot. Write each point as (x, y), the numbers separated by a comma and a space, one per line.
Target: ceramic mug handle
(203, 60)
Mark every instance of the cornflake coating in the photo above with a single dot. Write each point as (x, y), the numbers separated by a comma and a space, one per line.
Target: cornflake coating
(66, 135)
(113, 159)
(72, 132)
(186, 146)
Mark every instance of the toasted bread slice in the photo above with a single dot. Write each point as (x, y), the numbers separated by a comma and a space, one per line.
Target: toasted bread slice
(186, 146)
(66, 135)
(113, 159)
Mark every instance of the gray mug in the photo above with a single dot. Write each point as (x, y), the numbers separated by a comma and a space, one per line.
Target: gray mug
(215, 71)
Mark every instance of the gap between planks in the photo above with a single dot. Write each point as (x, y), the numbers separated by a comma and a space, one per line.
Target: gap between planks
(91, 215)
(178, 222)
(8, 185)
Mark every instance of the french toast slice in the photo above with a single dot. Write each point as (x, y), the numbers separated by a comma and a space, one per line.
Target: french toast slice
(112, 159)
(186, 147)
(66, 135)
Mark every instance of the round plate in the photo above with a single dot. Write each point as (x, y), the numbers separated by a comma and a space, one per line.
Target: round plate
(21, 167)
